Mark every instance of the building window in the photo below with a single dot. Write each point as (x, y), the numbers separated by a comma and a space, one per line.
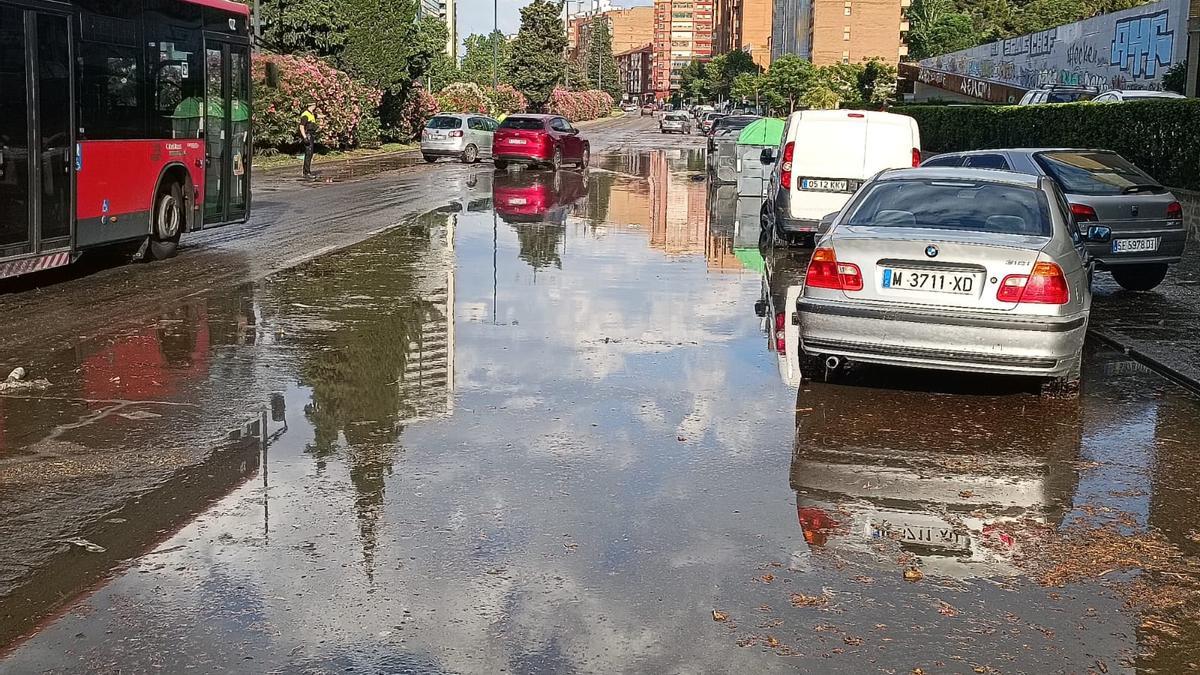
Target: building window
(846, 33)
(845, 57)
(846, 6)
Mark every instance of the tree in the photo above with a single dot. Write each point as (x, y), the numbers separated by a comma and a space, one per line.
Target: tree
(1175, 79)
(877, 83)
(477, 58)
(842, 80)
(600, 62)
(734, 63)
(316, 27)
(820, 97)
(388, 46)
(537, 63)
(748, 87)
(788, 78)
(693, 81)
(935, 29)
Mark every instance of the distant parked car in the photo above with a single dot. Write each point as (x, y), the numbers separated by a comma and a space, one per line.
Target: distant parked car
(700, 111)
(629, 107)
(950, 269)
(648, 109)
(824, 157)
(707, 120)
(534, 140)
(1103, 188)
(675, 123)
(465, 136)
(1058, 94)
(1123, 95)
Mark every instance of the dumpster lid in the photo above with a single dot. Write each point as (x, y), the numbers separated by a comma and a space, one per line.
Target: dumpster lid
(750, 258)
(767, 131)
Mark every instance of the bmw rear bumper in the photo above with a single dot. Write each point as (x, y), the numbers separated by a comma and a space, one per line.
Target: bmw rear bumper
(971, 342)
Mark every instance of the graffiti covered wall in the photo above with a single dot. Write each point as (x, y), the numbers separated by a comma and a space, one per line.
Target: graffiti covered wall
(1130, 49)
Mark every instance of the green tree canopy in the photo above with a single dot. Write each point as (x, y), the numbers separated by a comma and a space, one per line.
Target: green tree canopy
(788, 79)
(387, 45)
(936, 28)
(601, 66)
(315, 27)
(537, 63)
(693, 81)
(477, 58)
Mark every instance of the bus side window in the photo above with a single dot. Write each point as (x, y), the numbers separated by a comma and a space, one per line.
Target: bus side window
(175, 68)
(111, 70)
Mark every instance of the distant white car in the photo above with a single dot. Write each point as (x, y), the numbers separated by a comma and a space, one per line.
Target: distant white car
(1123, 95)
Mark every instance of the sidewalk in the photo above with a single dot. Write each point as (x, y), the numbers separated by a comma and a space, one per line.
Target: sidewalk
(1160, 328)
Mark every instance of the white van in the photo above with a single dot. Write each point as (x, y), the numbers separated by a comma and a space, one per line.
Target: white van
(825, 155)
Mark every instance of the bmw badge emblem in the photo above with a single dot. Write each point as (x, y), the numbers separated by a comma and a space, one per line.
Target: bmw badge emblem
(931, 251)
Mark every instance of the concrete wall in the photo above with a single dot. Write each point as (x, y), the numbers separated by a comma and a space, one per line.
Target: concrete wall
(1130, 49)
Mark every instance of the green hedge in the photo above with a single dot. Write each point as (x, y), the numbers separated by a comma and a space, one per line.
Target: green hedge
(1162, 137)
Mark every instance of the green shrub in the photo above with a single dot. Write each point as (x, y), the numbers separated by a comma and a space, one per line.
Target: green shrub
(342, 103)
(1160, 136)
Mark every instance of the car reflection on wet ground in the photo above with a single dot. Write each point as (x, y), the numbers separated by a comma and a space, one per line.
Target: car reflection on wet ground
(487, 442)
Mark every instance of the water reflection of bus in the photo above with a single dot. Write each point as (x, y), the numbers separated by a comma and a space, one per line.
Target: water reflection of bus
(953, 480)
(139, 118)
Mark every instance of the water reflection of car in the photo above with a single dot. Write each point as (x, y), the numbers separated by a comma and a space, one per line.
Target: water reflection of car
(783, 275)
(537, 196)
(871, 467)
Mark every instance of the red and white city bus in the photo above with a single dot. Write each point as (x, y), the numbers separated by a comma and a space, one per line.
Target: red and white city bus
(120, 121)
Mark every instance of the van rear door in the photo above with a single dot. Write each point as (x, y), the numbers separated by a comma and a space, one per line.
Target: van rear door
(889, 144)
(827, 164)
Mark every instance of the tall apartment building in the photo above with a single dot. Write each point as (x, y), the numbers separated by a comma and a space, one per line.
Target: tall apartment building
(577, 8)
(683, 32)
(839, 31)
(636, 72)
(447, 11)
(746, 25)
(629, 28)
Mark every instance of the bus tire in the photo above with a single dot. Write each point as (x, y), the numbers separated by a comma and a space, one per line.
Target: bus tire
(167, 224)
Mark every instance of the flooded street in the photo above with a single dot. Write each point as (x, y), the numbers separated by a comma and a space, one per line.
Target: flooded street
(539, 428)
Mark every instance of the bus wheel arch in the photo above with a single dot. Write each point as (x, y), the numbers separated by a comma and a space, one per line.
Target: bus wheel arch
(171, 212)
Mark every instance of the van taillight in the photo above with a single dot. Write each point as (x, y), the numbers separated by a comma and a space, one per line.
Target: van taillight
(916, 157)
(1083, 213)
(824, 271)
(1046, 285)
(785, 177)
(780, 336)
(1174, 211)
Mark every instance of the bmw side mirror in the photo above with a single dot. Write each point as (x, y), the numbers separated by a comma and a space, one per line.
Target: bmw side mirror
(760, 309)
(767, 157)
(1099, 234)
(827, 222)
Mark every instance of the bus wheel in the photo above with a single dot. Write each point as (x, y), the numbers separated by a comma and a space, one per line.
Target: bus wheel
(168, 222)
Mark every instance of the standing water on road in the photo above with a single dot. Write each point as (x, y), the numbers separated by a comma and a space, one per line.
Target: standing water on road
(542, 430)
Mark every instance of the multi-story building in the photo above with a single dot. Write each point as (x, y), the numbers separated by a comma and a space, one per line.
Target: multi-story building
(746, 25)
(447, 11)
(839, 31)
(683, 32)
(630, 28)
(577, 8)
(636, 70)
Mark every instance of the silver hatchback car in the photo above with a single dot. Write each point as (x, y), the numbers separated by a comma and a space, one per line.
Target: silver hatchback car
(952, 269)
(465, 136)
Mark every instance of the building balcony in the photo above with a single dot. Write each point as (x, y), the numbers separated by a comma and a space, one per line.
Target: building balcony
(904, 26)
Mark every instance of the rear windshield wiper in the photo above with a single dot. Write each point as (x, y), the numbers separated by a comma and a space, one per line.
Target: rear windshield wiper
(1141, 187)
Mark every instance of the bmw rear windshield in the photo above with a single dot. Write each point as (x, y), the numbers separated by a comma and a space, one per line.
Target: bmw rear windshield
(444, 122)
(1096, 172)
(523, 123)
(975, 206)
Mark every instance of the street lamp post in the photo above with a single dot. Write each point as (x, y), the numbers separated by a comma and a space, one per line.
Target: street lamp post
(495, 44)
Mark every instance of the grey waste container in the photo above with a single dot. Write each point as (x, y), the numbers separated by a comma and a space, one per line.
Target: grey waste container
(752, 174)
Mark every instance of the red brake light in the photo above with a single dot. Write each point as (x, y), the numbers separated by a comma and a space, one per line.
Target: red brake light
(785, 177)
(856, 115)
(1083, 213)
(824, 271)
(815, 524)
(457, 133)
(916, 157)
(1174, 211)
(1046, 285)
(780, 337)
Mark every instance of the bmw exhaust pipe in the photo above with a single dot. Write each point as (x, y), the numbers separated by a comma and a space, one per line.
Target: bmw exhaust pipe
(832, 362)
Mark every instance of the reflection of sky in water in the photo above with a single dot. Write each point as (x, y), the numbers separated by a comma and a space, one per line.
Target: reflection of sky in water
(1123, 441)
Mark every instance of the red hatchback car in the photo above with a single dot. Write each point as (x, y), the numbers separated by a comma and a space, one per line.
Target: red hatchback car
(549, 140)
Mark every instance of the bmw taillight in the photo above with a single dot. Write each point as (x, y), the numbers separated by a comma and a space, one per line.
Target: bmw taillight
(1174, 211)
(457, 133)
(1045, 285)
(1083, 213)
(916, 157)
(780, 335)
(785, 176)
(815, 524)
(824, 271)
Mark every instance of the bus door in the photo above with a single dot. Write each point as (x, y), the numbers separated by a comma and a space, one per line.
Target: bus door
(36, 132)
(226, 132)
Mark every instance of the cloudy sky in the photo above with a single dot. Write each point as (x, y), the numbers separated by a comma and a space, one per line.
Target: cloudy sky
(475, 16)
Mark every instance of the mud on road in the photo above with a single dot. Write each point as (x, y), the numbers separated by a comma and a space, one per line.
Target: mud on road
(448, 420)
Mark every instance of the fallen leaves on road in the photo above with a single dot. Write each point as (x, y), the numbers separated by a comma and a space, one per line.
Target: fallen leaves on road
(802, 600)
(946, 609)
(767, 578)
(913, 574)
(719, 615)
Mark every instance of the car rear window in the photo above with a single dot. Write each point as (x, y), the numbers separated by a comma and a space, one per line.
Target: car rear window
(1069, 96)
(1096, 173)
(441, 122)
(676, 117)
(954, 205)
(525, 123)
(730, 124)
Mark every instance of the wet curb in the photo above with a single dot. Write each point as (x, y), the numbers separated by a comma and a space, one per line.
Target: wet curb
(1133, 350)
(290, 168)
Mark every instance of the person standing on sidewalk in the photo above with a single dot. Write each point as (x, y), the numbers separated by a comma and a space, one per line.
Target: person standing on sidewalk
(308, 135)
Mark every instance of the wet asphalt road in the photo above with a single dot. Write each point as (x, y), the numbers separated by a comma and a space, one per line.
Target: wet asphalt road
(530, 423)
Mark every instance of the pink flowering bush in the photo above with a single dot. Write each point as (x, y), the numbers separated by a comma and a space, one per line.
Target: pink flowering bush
(343, 104)
(463, 97)
(581, 105)
(403, 119)
(507, 100)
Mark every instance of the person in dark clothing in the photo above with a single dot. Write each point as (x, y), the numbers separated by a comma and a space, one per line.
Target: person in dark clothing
(308, 135)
